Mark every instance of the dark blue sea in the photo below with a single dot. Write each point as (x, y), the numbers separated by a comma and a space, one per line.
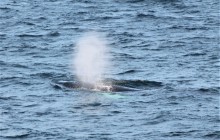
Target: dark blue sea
(166, 49)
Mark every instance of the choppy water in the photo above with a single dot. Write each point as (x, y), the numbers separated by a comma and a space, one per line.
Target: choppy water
(166, 48)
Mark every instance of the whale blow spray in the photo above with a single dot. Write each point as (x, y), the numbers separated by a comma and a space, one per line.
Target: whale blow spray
(91, 58)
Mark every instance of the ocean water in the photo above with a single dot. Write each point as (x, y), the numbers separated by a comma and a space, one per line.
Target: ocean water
(167, 49)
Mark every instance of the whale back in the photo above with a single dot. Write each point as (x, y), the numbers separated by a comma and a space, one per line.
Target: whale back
(107, 88)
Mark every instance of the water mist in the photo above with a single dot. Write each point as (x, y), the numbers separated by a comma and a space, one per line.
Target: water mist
(91, 59)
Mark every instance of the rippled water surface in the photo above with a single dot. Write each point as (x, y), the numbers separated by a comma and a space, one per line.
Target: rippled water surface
(167, 49)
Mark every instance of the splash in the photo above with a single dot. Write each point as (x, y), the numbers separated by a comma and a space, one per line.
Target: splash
(91, 58)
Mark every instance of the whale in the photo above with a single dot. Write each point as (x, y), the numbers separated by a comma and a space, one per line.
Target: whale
(87, 86)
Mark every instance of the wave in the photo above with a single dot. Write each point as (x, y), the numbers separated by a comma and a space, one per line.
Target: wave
(7, 98)
(53, 34)
(213, 135)
(142, 15)
(127, 72)
(50, 75)
(210, 90)
(15, 134)
(30, 35)
(195, 54)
